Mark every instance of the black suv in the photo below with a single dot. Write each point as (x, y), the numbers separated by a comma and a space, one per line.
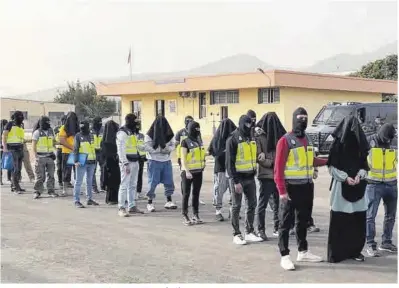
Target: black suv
(371, 116)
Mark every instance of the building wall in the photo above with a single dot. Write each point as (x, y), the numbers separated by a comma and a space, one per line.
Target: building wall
(312, 100)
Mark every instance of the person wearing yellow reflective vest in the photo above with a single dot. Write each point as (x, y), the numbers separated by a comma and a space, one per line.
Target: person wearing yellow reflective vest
(84, 144)
(142, 159)
(382, 184)
(127, 147)
(180, 136)
(293, 175)
(43, 148)
(13, 138)
(241, 170)
(193, 164)
(58, 153)
(98, 131)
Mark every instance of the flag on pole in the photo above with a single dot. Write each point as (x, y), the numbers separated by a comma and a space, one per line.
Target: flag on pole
(130, 56)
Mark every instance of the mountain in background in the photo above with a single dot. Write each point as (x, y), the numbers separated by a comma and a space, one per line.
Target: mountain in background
(240, 63)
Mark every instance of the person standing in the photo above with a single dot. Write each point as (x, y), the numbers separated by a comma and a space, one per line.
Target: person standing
(180, 136)
(193, 164)
(111, 173)
(159, 144)
(97, 131)
(347, 163)
(3, 125)
(293, 173)
(266, 141)
(27, 163)
(67, 135)
(382, 184)
(83, 144)
(127, 146)
(13, 139)
(43, 149)
(58, 154)
(142, 160)
(218, 151)
(241, 170)
(252, 114)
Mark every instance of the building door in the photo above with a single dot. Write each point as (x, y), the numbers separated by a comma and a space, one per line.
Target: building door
(224, 112)
(159, 107)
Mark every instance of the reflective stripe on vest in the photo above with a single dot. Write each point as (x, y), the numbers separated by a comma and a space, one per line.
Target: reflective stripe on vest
(382, 163)
(140, 142)
(45, 143)
(97, 141)
(131, 145)
(178, 148)
(299, 166)
(16, 135)
(195, 159)
(246, 157)
(87, 148)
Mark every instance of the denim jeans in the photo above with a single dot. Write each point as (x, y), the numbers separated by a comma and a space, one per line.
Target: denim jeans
(128, 186)
(220, 186)
(81, 171)
(389, 195)
(160, 172)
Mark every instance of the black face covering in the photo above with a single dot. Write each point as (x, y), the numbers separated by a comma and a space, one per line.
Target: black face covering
(244, 125)
(44, 123)
(97, 123)
(299, 125)
(18, 117)
(251, 114)
(84, 127)
(386, 133)
(130, 122)
(63, 118)
(187, 121)
(193, 130)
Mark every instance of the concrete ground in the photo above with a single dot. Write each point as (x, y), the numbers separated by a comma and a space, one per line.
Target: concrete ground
(48, 240)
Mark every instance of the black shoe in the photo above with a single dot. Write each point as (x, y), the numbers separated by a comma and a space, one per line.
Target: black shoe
(196, 219)
(186, 220)
(135, 210)
(53, 195)
(69, 185)
(95, 191)
(262, 235)
(92, 202)
(219, 217)
(79, 205)
(21, 190)
(313, 229)
(359, 258)
(36, 195)
(60, 184)
(388, 247)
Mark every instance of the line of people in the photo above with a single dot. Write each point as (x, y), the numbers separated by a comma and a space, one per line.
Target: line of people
(363, 172)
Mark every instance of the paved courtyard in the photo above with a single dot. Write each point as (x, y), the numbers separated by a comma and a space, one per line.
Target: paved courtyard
(48, 240)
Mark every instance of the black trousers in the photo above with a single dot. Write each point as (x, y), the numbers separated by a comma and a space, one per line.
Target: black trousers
(186, 184)
(267, 190)
(17, 157)
(99, 162)
(1, 170)
(299, 209)
(249, 191)
(140, 176)
(274, 203)
(59, 165)
(66, 170)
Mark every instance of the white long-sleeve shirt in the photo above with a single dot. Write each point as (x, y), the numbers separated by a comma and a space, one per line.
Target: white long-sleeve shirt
(121, 138)
(161, 155)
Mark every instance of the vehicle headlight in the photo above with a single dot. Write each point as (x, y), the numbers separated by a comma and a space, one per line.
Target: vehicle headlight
(330, 138)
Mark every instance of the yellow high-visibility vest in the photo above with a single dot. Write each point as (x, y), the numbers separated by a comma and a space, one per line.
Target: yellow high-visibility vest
(97, 141)
(45, 142)
(178, 148)
(16, 135)
(87, 147)
(299, 166)
(195, 158)
(246, 157)
(131, 148)
(140, 142)
(382, 163)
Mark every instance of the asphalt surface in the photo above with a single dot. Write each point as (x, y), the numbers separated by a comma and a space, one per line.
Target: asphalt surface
(48, 240)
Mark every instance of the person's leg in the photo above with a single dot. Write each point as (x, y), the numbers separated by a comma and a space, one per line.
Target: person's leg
(101, 163)
(131, 195)
(1, 168)
(65, 170)
(80, 173)
(140, 177)
(215, 192)
(59, 166)
(40, 169)
(249, 190)
(186, 190)
(90, 168)
(28, 165)
(286, 212)
(94, 183)
(197, 184)
(122, 193)
(154, 177)
(389, 197)
(274, 202)
(235, 210)
(17, 156)
(167, 180)
(264, 194)
(311, 226)
(373, 197)
(50, 168)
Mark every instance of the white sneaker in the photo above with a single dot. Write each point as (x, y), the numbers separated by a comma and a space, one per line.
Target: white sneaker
(201, 202)
(239, 240)
(306, 256)
(286, 263)
(251, 237)
(150, 207)
(170, 205)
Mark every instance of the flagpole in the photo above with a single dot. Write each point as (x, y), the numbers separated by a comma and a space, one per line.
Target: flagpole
(131, 70)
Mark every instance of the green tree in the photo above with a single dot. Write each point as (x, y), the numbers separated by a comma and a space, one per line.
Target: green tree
(87, 102)
(386, 68)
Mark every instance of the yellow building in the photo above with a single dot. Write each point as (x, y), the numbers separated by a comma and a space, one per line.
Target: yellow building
(211, 98)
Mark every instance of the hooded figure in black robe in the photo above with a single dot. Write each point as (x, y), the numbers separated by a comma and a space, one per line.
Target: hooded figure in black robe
(348, 166)
(71, 124)
(111, 172)
(160, 132)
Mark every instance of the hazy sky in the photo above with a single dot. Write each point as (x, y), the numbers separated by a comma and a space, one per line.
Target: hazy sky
(46, 43)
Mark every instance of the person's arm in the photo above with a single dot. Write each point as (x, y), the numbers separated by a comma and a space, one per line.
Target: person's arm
(269, 159)
(260, 155)
(170, 146)
(318, 162)
(210, 148)
(148, 144)
(337, 174)
(177, 138)
(35, 138)
(76, 147)
(7, 129)
(279, 165)
(63, 141)
(121, 138)
(231, 153)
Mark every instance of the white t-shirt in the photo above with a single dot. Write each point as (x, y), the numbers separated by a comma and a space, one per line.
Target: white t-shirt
(35, 136)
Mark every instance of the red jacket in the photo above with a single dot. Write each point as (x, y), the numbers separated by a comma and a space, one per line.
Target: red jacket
(282, 152)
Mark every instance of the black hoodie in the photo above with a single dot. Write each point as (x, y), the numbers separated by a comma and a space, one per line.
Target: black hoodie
(218, 144)
(243, 133)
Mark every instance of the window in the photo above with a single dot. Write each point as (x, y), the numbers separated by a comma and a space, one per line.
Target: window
(172, 106)
(202, 105)
(136, 108)
(159, 107)
(224, 97)
(268, 95)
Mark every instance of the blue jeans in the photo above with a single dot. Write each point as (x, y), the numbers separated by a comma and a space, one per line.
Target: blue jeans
(389, 195)
(160, 172)
(80, 173)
